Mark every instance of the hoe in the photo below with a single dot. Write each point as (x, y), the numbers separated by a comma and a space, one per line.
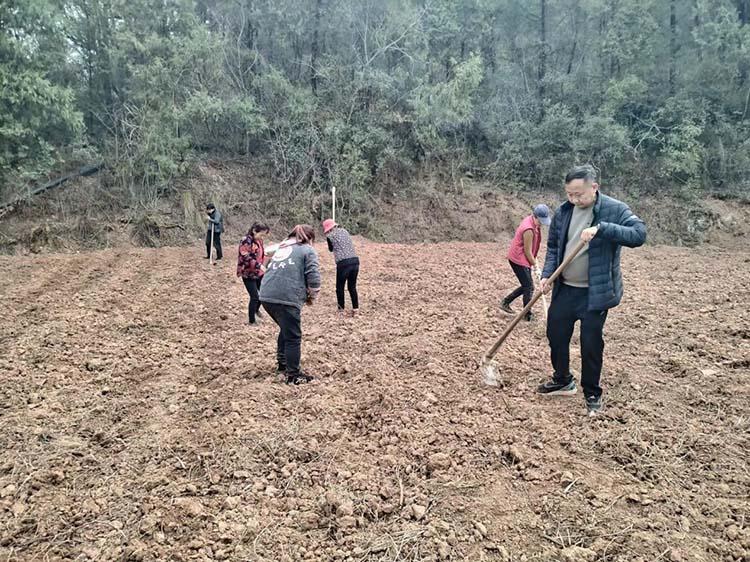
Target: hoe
(487, 366)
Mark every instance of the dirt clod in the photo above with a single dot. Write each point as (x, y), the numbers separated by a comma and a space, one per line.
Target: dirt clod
(577, 554)
(439, 461)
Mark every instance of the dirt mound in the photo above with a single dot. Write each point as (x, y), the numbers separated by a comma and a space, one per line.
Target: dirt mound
(141, 419)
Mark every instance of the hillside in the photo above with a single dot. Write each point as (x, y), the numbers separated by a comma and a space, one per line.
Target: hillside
(89, 213)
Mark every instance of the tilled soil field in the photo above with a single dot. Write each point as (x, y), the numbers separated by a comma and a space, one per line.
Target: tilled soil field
(141, 418)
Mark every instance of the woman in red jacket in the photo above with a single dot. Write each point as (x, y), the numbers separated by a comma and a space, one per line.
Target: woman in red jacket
(522, 255)
(250, 266)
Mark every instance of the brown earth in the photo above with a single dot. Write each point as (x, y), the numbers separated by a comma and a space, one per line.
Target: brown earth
(140, 418)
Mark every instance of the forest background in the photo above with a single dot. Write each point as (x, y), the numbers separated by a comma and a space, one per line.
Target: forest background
(385, 101)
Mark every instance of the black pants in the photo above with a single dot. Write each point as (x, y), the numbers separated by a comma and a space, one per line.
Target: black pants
(527, 284)
(346, 275)
(289, 343)
(217, 244)
(568, 306)
(252, 286)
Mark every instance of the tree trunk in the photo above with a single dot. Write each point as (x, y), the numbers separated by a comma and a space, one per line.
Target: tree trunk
(490, 56)
(251, 26)
(571, 60)
(602, 55)
(542, 70)
(315, 49)
(297, 48)
(743, 9)
(672, 46)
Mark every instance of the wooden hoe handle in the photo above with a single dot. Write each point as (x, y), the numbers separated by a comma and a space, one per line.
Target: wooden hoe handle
(569, 258)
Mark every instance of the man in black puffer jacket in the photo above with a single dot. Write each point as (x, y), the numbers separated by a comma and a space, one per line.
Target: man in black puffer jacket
(591, 284)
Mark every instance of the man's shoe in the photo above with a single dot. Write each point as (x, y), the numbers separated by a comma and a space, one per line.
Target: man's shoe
(593, 405)
(505, 307)
(299, 378)
(552, 388)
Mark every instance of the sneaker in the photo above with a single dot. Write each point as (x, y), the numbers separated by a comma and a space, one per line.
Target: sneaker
(593, 405)
(299, 378)
(505, 307)
(281, 369)
(552, 388)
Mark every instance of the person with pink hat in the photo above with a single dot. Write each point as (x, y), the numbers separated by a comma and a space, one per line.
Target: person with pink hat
(347, 263)
(522, 254)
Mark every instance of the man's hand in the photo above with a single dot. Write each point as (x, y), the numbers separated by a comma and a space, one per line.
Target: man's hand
(544, 286)
(588, 234)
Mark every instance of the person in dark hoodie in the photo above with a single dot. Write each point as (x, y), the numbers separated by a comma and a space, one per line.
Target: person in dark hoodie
(215, 223)
(292, 279)
(590, 285)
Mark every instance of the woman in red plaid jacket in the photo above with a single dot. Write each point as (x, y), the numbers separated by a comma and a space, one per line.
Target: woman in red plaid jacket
(250, 266)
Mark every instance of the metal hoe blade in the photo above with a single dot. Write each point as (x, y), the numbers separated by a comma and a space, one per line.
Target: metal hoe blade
(490, 372)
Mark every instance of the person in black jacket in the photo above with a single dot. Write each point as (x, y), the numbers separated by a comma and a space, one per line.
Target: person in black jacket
(591, 284)
(215, 223)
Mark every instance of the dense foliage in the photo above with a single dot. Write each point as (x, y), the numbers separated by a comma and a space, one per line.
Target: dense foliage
(363, 94)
